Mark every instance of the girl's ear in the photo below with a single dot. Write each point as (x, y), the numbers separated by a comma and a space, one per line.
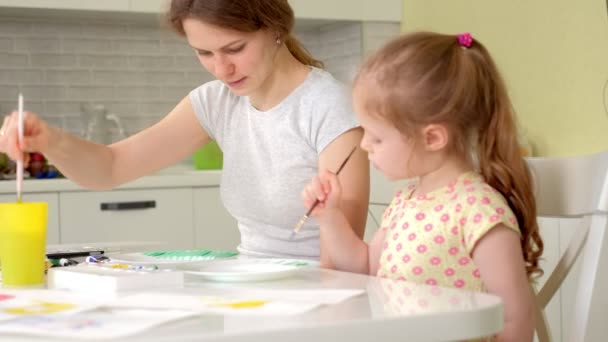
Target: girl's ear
(435, 137)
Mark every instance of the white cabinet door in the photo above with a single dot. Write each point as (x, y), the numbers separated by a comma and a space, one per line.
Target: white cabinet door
(52, 198)
(384, 10)
(214, 227)
(148, 6)
(156, 215)
(352, 10)
(87, 5)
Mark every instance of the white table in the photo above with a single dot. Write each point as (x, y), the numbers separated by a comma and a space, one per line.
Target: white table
(389, 311)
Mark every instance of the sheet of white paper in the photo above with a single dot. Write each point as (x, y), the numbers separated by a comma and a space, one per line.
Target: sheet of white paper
(98, 324)
(258, 302)
(16, 304)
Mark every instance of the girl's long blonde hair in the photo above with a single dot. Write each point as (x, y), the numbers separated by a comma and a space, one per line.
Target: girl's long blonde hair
(422, 78)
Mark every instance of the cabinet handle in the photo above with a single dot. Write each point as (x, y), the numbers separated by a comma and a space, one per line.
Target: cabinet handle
(119, 206)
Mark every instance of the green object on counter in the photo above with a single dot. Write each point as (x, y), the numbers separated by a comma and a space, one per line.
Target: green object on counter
(208, 157)
(192, 254)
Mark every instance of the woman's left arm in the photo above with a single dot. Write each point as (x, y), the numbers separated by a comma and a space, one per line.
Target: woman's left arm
(354, 181)
(500, 260)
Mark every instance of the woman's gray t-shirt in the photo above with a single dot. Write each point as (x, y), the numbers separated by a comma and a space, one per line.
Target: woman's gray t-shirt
(270, 156)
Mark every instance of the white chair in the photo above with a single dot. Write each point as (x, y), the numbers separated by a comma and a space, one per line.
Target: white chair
(576, 187)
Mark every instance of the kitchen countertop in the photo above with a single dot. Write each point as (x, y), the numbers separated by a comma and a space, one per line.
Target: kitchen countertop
(172, 177)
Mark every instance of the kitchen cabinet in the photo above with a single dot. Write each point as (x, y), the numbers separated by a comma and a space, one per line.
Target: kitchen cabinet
(52, 229)
(83, 5)
(355, 10)
(347, 10)
(214, 227)
(158, 215)
(148, 6)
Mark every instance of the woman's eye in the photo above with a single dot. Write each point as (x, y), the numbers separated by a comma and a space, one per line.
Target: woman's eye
(237, 49)
(203, 53)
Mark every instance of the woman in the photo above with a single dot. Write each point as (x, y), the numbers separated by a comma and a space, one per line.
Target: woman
(276, 115)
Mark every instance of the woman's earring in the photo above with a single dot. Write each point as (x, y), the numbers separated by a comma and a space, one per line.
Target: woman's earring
(278, 41)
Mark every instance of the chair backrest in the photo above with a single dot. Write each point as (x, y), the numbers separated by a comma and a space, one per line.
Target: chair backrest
(576, 187)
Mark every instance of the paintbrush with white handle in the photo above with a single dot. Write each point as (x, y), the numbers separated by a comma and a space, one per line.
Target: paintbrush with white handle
(20, 137)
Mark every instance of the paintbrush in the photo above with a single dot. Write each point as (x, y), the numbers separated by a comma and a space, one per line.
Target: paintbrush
(314, 205)
(20, 137)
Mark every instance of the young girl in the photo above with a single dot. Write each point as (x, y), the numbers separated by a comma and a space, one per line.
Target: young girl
(435, 108)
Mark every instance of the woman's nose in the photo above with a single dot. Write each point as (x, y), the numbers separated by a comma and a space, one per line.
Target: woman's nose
(223, 67)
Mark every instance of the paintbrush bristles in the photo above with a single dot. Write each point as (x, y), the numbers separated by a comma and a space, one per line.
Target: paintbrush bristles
(300, 224)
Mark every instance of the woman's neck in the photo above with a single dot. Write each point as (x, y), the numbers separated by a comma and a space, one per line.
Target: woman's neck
(287, 75)
(449, 170)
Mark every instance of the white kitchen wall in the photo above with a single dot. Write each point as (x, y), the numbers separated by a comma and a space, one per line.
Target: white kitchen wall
(135, 69)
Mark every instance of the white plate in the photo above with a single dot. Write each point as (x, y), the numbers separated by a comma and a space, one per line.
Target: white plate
(246, 270)
(142, 259)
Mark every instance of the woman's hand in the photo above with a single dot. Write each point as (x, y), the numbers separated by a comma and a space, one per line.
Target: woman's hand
(326, 189)
(36, 135)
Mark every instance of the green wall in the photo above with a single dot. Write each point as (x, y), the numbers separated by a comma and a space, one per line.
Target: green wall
(553, 55)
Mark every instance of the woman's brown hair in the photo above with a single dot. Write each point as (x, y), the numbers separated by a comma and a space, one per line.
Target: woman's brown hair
(422, 78)
(244, 16)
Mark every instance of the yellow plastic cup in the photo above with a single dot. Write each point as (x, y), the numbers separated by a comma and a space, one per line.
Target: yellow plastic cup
(23, 243)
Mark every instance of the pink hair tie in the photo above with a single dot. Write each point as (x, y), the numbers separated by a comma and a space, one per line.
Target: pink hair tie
(465, 39)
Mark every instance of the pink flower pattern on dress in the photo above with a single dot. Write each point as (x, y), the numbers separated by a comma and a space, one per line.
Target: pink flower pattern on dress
(464, 261)
(435, 261)
(428, 232)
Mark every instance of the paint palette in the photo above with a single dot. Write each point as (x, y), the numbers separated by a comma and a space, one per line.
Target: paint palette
(109, 278)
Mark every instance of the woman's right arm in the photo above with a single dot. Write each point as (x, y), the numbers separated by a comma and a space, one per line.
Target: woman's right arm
(102, 167)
